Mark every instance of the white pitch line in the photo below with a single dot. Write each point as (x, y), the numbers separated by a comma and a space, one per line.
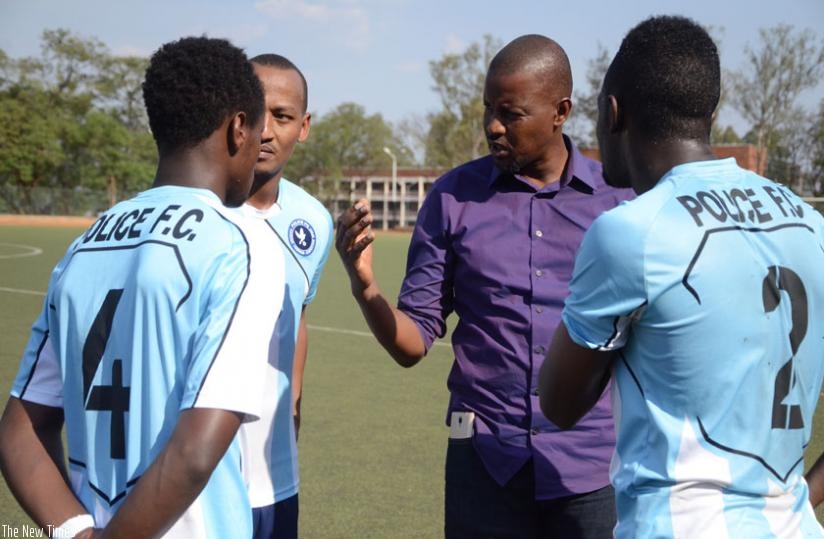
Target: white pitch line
(29, 251)
(22, 291)
(310, 326)
(356, 333)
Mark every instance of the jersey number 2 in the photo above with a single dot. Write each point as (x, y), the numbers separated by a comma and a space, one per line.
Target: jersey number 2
(786, 416)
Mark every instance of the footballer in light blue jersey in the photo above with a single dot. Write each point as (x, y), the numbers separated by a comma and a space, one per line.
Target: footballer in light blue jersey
(304, 227)
(167, 326)
(703, 300)
(147, 348)
(694, 280)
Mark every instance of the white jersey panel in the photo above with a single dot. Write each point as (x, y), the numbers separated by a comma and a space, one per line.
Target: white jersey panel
(270, 455)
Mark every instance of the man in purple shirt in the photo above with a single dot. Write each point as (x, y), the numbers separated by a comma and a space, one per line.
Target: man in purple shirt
(495, 242)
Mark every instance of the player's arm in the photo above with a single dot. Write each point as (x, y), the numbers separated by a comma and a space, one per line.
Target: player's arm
(301, 350)
(177, 475)
(395, 331)
(571, 379)
(815, 481)
(32, 462)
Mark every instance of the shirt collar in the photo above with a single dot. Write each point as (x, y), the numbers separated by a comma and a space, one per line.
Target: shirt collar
(578, 173)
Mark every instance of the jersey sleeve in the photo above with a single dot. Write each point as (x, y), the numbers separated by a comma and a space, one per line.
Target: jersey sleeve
(607, 290)
(326, 245)
(230, 350)
(426, 290)
(39, 378)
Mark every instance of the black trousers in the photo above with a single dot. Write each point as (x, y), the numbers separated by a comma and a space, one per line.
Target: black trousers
(477, 507)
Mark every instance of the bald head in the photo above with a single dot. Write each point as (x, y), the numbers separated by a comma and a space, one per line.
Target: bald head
(537, 55)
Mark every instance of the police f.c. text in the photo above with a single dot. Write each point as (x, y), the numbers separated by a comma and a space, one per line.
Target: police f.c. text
(741, 205)
(170, 222)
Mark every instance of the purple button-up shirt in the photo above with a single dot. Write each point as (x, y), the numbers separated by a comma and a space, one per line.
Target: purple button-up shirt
(499, 253)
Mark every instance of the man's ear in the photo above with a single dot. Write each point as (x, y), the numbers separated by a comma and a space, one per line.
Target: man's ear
(562, 111)
(237, 133)
(615, 115)
(304, 127)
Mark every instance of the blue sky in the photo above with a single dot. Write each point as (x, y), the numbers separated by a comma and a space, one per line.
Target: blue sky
(376, 52)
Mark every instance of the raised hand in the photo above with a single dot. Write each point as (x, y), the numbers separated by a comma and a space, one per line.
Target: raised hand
(353, 241)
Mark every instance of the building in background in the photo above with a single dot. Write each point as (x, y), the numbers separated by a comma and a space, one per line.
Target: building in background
(395, 204)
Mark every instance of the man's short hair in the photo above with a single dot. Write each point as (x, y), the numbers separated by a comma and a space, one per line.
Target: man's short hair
(667, 75)
(281, 62)
(192, 85)
(539, 55)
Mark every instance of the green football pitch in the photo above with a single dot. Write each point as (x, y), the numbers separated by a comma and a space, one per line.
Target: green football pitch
(372, 437)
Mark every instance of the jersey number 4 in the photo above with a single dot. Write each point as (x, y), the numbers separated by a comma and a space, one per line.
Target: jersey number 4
(112, 398)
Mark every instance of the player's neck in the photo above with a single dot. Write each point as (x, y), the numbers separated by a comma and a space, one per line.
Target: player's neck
(264, 193)
(190, 168)
(206, 165)
(654, 160)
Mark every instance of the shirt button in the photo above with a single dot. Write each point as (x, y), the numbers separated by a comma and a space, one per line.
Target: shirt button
(539, 349)
(539, 273)
(533, 432)
(539, 233)
(539, 310)
(534, 392)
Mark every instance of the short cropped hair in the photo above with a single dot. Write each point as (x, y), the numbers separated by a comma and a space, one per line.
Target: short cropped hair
(281, 62)
(192, 85)
(667, 75)
(539, 54)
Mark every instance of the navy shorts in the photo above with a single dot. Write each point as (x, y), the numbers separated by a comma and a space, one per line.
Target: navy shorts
(278, 521)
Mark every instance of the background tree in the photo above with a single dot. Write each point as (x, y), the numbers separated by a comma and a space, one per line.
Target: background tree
(456, 133)
(119, 89)
(110, 157)
(790, 151)
(765, 92)
(73, 124)
(724, 135)
(345, 140)
(31, 151)
(581, 124)
(413, 131)
(816, 136)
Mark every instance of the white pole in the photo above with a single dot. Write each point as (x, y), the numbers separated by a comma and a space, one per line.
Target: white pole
(388, 152)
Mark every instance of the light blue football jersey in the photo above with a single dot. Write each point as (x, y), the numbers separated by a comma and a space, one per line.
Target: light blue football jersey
(711, 284)
(155, 309)
(270, 456)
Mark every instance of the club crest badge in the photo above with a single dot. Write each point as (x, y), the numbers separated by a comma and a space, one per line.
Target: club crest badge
(302, 237)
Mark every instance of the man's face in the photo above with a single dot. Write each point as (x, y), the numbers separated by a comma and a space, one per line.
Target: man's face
(519, 120)
(615, 169)
(286, 121)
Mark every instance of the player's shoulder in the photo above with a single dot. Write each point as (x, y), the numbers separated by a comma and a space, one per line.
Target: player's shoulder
(302, 211)
(201, 219)
(641, 210)
(297, 201)
(627, 227)
(167, 215)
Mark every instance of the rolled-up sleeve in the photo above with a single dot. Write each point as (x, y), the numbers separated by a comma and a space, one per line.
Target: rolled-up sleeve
(427, 291)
